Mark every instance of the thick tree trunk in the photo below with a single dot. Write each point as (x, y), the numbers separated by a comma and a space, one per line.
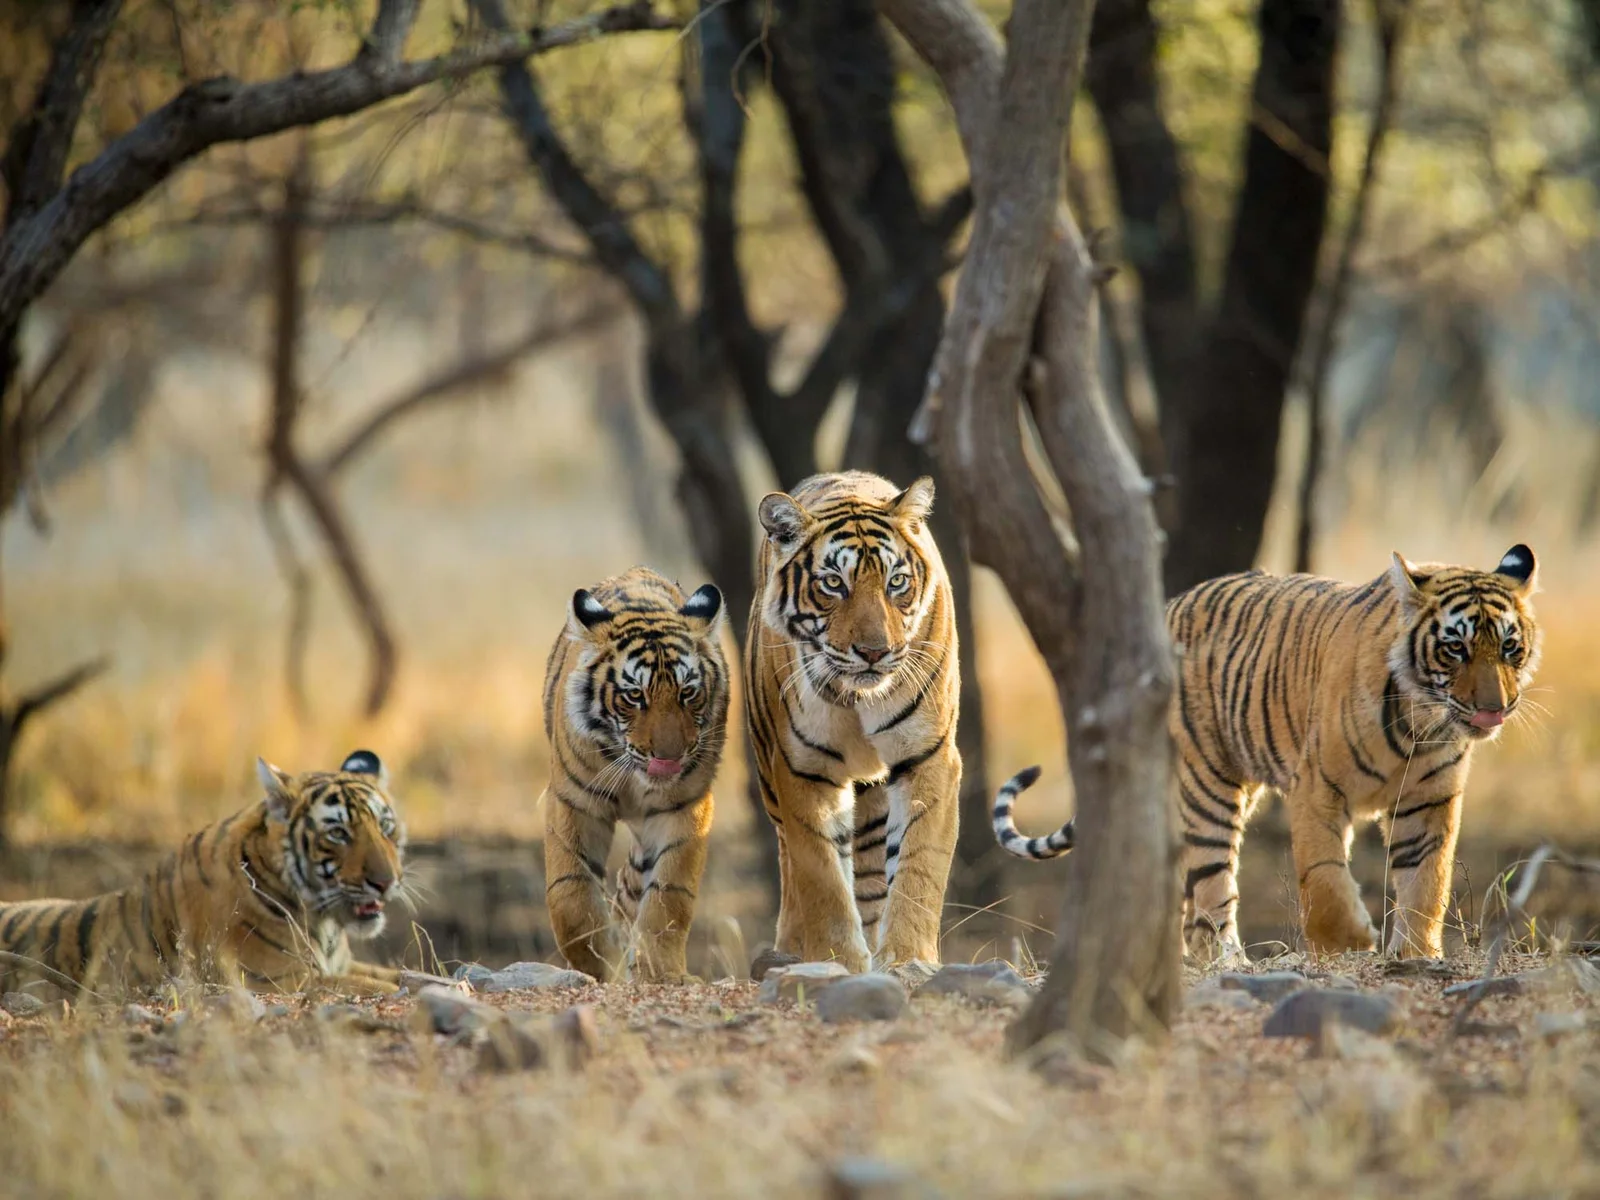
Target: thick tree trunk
(1024, 314)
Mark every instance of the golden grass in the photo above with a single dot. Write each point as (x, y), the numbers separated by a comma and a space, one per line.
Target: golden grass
(683, 1099)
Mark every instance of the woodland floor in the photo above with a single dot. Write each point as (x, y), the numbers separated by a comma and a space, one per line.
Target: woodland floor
(705, 1091)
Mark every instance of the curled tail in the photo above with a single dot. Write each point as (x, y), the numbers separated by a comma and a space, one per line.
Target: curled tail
(1005, 829)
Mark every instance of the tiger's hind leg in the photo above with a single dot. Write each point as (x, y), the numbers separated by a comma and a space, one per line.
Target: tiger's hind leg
(1214, 817)
(576, 843)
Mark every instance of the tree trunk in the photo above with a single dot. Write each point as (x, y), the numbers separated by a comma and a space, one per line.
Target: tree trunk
(1025, 311)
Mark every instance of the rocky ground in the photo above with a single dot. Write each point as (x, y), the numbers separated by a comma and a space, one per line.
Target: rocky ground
(1340, 1076)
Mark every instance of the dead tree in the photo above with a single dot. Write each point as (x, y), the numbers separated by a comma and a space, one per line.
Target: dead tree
(1023, 324)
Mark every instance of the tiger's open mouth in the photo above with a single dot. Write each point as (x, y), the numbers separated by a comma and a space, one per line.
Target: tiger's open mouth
(367, 910)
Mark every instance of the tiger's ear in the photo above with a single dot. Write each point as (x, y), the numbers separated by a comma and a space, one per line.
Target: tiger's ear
(365, 762)
(278, 787)
(783, 519)
(703, 608)
(585, 613)
(1520, 566)
(1406, 581)
(912, 506)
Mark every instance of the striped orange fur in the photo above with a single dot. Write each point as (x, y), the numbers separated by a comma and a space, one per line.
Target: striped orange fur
(636, 710)
(268, 898)
(1354, 701)
(852, 694)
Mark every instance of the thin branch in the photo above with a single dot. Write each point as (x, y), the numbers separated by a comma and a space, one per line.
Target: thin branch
(30, 704)
(36, 248)
(1390, 16)
(470, 372)
(298, 580)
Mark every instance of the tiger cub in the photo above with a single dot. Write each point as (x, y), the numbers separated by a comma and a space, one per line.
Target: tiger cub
(269, 898)
(1355, 701)
(852, 693)
(636, 710)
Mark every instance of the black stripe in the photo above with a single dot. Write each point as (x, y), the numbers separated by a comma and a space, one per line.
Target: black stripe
(86, 932)
(907, 765)
(1423, 807)
(1201, 873)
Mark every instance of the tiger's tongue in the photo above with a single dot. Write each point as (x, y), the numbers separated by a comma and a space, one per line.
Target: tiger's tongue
(1488, 718)
(662, 768)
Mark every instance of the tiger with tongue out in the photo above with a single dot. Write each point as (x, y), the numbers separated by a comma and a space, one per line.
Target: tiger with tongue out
(636, 708)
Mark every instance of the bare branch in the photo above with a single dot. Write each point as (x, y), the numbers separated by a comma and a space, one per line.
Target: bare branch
(470, 372)
(36, 153)
(35, 249)
(30, 704)
(1390, 17)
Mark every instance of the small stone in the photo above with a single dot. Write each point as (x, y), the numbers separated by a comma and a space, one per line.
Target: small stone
(914, 972)
(527, 976)
(20, 1004)
(1230, 1001)
(1570, 975)
(800, 980)
(1304, 1013)
(1430, 968)
(569, 1040)
(447, 1011)
(990, 983)
(871, 997)
(138, 1014)
(237, 1004)
(472, 974)
(413, 982)
(874, 1179)
(1268, 987)
(770, 960)
(1552, 1027)
(1500, 985)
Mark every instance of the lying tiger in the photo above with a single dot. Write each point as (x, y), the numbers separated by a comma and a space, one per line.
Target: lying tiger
(1353, 701)
(269, 898)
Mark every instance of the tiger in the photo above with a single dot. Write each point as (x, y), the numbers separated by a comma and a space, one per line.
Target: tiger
(1352, 701)
(852, 696)
(268, 898)
(636, 713)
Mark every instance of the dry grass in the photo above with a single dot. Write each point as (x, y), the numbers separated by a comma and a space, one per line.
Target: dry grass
(703, 1092)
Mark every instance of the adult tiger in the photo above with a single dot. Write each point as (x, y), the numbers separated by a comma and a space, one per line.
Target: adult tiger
(269, 897)
(1353, 701)
(636, 710)
(852, 695)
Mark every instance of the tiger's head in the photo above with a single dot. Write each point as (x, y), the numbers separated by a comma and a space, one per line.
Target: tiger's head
(342, 839)
(650, 687)
(1468, 644)
(849, 585)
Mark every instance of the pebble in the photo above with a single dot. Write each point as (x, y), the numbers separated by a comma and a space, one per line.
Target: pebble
(988, 983)
(1304, 1013)
(1213, 997)
(413, 982)
(871, 997)
(447, 1011)
(20, 1004)
(1269, 986)
(874, 1179)
(525, 976)
(568, 1040)
(807, 979)
(914, 972)
(241, 1005)
(770, 960)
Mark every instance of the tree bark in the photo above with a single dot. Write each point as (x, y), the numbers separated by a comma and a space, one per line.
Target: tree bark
(1024, 317)
(1223, 432)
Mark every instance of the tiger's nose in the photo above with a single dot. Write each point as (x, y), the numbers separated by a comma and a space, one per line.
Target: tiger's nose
(380, 883)
(871, 655)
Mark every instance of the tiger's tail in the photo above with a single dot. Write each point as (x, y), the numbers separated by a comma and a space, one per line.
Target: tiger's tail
(1005, 829)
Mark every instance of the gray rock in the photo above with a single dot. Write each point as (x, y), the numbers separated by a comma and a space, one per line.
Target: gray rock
(238, 1004)
(871, 997)
(472, 974)
(447, 1011)
(914, 972)
(138, 1014)
(988, 983)
(569, 1040)
(1215, 997)
(1500, 985)
(20, 1004)
(414, 981)
(800, 980)
(1569, 975)
(1304, 1013)
(874, 1179)
(525, 976)
(1552, 1027)
(770, 960)
(1269, 986)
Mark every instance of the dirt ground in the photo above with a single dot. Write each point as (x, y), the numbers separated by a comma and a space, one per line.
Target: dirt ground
(706, 1091)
